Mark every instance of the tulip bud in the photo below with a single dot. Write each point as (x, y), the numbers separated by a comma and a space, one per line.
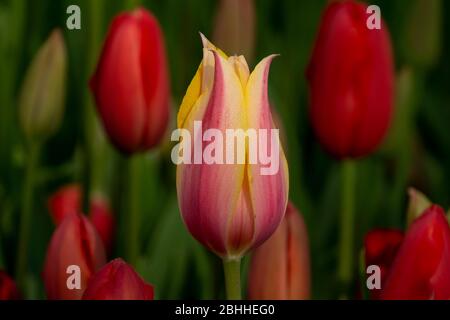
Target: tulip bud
(234, 27)
(230, 207)
(118, 281)
(418, 203)
(8, 288)
(41, 100)
(380, 249)
(67, 200)
(280, 268)
(74, 243)
(421, 269)
(131, 85)
(350, 79)
(423, 32)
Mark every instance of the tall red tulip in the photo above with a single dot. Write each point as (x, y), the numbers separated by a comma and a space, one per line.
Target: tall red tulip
(131, 84)
(280, 267)
(421, 269)
(118, 281)
(380, 249)
(67, 200)
(350, 79)
(8, 288)
(74, 242)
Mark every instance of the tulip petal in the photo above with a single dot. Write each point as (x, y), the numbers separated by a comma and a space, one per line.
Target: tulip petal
(154, 77)
(118, 281)
(268, 192)
(420, 269)
(208, 193)
(75, 242)
(208, 45)
(123, 112)
(287, 276)
(192, 94)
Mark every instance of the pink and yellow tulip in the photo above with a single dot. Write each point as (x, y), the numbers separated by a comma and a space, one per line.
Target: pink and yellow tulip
(230, 208)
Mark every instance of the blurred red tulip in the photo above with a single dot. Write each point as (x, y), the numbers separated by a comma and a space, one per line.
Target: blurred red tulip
(103, 221)
(8, 288)
(421, 269)
(74, 242)
(381, 246)
(131, 85)
(67, 200)
(280, 267)
(351, 79)
(118, 281)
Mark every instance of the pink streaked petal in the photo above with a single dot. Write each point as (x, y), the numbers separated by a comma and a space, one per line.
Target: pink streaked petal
(268, 192)
(200, 91)
(208, 194)
(240, 229)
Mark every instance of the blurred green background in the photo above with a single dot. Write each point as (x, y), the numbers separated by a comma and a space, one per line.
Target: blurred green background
(415, 153)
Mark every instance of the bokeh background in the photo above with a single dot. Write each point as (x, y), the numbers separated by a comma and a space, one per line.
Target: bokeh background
(416, 151)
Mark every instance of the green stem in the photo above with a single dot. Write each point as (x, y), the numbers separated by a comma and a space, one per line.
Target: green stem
(26, 211)
(232, 269)
(347, 225)
(95, 17)
(132, 209)
(132, 4)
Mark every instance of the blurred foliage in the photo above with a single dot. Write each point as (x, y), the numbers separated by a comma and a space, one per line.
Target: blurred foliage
(416, 152)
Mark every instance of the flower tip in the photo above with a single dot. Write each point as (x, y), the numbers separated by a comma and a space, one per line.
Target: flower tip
(206, 43)
(137, 12)
(412, 191)
(56, 35)
(273, 56)
(119, 261)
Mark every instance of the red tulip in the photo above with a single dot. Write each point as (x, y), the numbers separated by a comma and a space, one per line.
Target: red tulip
(131, 85)
(351, 79)
(280, 267)
(67, 200)
(8, 288)
(74, 242)
(381, 246)
(103, 221)
(118, 281)
(421, 269)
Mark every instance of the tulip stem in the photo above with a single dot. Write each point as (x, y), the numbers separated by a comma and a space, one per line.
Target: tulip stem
(347, 223)
(232, 269)
(132, 4)
(32, 162)
(89, 147)
(132, 209)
